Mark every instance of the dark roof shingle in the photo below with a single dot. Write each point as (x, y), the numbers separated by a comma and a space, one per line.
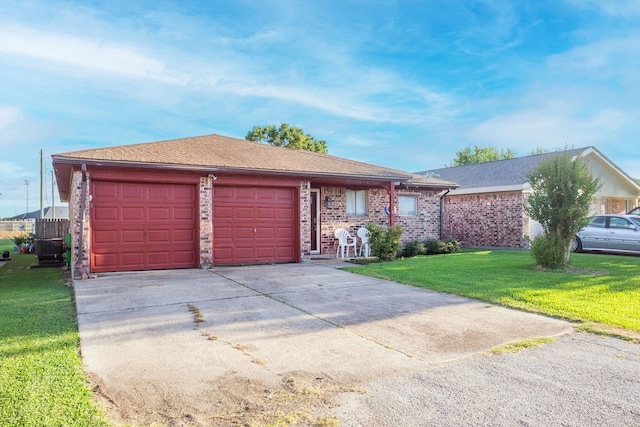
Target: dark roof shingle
(215, 153)
(492, 174)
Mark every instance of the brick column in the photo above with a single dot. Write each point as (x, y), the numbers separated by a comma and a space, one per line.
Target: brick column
(305, 219)
(77, 223)
(206, 222)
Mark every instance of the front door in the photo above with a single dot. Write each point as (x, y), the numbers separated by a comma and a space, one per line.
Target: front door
(315, 221)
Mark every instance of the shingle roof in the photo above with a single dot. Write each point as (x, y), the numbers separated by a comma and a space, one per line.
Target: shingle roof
(61, 212)
(493, 174)
(217, 153)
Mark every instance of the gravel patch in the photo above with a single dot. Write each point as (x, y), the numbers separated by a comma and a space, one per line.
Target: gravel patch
(580, 380)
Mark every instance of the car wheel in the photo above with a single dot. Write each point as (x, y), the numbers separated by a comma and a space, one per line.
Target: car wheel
(576, 244)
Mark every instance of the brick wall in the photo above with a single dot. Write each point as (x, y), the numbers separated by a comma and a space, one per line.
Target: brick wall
(426, 225)
(489, 220)
(618, 206)
(206, 221)
(77, 223)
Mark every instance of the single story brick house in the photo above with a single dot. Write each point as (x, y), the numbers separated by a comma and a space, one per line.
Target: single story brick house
(488, 207)
(214, 200)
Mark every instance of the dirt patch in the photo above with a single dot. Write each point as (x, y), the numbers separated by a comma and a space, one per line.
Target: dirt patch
(299, 399)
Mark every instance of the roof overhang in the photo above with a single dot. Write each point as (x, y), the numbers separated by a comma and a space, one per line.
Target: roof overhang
(592, 150)
(64, 167)
(497, 189)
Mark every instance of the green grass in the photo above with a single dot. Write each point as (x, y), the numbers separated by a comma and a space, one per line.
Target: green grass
(41, 377)
(596, 288)
(522, 345)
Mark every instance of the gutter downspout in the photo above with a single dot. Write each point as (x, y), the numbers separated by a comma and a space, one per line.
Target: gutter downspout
(392, 204)
(83, 205)
(442, 213)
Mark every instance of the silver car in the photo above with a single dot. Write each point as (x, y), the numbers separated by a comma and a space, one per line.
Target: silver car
(609, 233)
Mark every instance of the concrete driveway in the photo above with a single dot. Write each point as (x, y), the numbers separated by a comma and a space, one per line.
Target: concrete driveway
(244, 344)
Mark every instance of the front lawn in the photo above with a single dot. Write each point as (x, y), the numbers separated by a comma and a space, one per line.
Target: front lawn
(596, 288)
(41, 378)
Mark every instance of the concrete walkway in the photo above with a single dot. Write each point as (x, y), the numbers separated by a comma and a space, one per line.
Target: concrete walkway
(155, 340)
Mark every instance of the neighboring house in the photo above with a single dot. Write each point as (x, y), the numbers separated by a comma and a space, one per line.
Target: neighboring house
(215, 200)
(488, 208)
(59, 212)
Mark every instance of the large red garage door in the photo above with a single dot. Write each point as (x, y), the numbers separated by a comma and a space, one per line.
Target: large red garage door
(254, 225)
(142, 226)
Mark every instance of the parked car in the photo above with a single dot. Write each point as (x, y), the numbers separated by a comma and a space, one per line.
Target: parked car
(635, 211)
(609, 233)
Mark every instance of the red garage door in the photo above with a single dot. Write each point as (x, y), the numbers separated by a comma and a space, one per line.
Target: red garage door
(142, 226)
(254, 225)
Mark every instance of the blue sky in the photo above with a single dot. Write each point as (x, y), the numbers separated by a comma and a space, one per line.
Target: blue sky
(402, 84)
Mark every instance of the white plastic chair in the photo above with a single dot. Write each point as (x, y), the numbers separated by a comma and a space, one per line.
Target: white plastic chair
(363, 234)
(345, 241)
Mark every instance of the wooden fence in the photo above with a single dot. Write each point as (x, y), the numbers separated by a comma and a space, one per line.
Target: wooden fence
(15, 228)
(51, 228)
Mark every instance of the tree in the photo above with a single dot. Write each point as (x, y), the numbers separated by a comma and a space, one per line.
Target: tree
(539, 150)
(286, 136)
(477, 154)
(562, 191)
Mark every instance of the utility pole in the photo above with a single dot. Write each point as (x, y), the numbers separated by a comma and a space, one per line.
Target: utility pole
(53, 197)
(41, 186)
(26, 182)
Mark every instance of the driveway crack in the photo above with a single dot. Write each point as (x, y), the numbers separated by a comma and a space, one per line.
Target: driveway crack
(315, 316)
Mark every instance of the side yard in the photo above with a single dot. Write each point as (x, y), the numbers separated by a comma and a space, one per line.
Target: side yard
(600, 291)
(41, 377)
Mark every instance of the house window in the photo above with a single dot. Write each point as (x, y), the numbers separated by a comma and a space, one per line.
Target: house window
(407, 206)
(357, 202)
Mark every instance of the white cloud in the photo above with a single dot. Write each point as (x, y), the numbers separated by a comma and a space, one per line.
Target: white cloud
(612, 58)
(353, 93)
(87, 53)
(546, 128)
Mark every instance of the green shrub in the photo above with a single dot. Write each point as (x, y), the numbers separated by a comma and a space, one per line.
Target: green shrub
(413, 248)
(430, 247)
(22, 239)
(451, 246)
(437, 247)
(385, 243)
(548, 251)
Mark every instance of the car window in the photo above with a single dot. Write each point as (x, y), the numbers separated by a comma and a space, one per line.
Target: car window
(598, 221)
(636, 219)
(616, 222)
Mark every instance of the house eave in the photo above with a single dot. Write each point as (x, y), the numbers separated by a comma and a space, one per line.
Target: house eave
(59, 160)
(496, 189)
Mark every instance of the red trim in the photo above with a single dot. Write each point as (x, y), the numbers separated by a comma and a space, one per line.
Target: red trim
(112, 174)
(392, 204)
(255, 181)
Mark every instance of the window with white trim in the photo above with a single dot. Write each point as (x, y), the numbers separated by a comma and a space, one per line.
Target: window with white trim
(357, 202)
(407, 206)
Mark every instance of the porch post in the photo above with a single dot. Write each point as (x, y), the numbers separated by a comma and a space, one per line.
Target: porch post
(392, 204)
